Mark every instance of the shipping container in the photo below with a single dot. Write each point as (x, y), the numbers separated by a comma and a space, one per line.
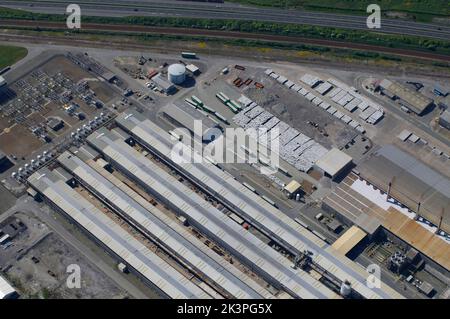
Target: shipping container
(207, 109)
(175, 135)
(236, 218)
(224, 96)
(152, 74)
(235, 104)
(232, 107)
(249, 187)
(197, 100)
(267, 199)
(284, 171)
(222, 118)
(301, 223)
(191, 103)
(189, 55)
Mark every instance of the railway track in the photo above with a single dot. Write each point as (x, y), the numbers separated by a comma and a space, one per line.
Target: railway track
(168, 8)
(138, 29)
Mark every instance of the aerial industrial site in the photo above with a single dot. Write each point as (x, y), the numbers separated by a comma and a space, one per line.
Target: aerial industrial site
(189, 171)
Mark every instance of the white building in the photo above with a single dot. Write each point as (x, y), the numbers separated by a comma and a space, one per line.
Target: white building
(334, 162)
(6, 290)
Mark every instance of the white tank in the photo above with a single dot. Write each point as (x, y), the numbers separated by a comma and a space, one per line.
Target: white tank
(177, 73)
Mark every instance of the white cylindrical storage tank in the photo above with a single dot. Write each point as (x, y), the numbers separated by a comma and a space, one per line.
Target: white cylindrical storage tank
(177, 73)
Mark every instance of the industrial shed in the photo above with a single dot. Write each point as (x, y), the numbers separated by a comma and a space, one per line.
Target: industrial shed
(413, 100)
(6, 290)
(292, 188)
(164, 84)
(183, 116)
(349, 240)
(112, 236)
(249, 205)
(334, 162)
(357, 202)
(444, 120)
(199, 212)
(152, 221)
(413, 183)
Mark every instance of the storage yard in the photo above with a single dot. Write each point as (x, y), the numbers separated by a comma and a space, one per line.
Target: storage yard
(205, 178)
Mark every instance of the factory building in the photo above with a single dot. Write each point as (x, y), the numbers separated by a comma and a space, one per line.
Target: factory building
(200, 213)
(444, 119)
(184, 116)
(3, 85)
(165, 86)
(357, 203)
(249, 205)
(411, 182)
(349, 240)
(150, 220)
(334, 163)
(413, 100)
(114, 238)
(6, 290)
(293, 189)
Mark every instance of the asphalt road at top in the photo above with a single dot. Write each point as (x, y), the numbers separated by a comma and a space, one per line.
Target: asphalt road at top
(158, 8)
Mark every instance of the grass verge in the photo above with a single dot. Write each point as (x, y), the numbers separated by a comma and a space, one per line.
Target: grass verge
(11, 54)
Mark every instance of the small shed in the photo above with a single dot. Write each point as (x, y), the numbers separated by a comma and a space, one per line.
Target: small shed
(334, 162)
(352, 237)
(292, 188)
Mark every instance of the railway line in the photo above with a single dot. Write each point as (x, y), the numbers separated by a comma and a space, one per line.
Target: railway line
(129, 29)
(231, 11)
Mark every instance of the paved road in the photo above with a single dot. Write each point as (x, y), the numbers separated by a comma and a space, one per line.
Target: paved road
(229, 11)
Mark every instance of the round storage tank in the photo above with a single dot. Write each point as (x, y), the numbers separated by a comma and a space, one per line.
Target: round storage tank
(177, 73)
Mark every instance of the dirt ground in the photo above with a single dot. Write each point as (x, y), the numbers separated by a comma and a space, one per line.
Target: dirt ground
(65, 66)
(19, 141)
(47, 277)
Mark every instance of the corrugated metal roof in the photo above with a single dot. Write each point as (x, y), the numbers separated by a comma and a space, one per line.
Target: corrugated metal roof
(161, 229)
(6, 289)
(349, 240)
(333, 162)
(139, 257)
(412, 182)
(213, 222)
(250, 205)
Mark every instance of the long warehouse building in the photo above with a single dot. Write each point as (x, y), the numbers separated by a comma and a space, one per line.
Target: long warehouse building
(112, 236)
(160, 229)
(251, 206)
(252, 251)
